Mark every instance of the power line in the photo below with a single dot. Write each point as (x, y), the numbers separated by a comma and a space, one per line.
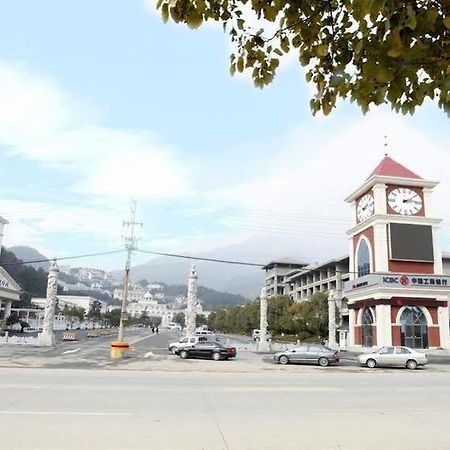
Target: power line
(198, 258)
(86, 255)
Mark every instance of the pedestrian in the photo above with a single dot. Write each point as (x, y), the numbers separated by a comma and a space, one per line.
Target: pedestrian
(153, 329)
(157, 330)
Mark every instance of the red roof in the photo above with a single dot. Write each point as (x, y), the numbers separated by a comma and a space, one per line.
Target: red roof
(390, 168)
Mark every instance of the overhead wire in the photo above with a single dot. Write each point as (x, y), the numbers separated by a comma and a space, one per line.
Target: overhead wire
(61, 258)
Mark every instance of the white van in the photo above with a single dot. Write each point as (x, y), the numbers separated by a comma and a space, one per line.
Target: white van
(174, 347)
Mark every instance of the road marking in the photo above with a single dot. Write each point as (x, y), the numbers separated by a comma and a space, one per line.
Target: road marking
(71, 351)
(148, 355)
(142, 338)
(68, 413)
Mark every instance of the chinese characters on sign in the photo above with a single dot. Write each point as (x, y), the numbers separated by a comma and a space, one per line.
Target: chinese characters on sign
(403, 281)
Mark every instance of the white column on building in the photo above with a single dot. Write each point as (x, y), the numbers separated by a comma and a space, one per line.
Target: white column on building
(444, 332)
(47, 337)
(384, 327)
(191, 311)
(351, 326)
(332, 319)
(263, 343)
(381, 246)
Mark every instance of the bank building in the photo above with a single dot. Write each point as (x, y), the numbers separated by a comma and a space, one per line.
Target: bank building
(396, 293)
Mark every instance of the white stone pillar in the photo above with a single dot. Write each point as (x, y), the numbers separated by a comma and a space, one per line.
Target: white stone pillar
(47, 337)
(7, 311)
(332, 319)
(263, 344)
(191, 311)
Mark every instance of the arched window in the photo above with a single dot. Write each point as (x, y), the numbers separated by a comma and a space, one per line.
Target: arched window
(413, 328)
(367, 327)
(363, 259)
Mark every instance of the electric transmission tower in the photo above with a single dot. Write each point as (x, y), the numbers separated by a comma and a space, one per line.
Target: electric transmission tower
(130, 242)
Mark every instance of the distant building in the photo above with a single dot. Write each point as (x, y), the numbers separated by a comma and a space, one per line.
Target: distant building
(275, 274)
(80, 301)
(135, 294)
(9, 289)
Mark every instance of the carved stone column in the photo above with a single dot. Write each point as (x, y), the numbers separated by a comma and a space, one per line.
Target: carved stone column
(332, 319)
(6, 313)
(263, 344)
(191, 311)
(47, 337)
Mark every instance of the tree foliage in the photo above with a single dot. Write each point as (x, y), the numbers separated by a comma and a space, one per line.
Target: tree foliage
(308, 320)
(33, 282)
(371, 51)
(180, 319)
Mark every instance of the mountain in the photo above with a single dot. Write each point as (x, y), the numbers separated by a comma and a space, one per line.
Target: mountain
(238, 279)
(210, 298)
(26, 253)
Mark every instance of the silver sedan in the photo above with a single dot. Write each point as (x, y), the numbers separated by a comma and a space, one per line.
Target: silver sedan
(393, 356)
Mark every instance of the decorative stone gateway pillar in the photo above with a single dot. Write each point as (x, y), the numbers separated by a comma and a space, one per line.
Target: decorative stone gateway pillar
(47, 337)
(332, 319)
(7, 312)
(263, 345)
(191, 311)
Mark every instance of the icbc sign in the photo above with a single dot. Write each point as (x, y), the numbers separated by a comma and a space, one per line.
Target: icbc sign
(404, 280)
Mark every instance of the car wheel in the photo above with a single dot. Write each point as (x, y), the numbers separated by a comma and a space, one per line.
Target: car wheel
(283, 359)
(184, 354)
(371, 363)
(324, 362)
(173, 350)
(411, 364)
(216, 356)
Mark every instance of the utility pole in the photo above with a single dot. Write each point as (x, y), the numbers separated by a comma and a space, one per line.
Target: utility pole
(130, 241)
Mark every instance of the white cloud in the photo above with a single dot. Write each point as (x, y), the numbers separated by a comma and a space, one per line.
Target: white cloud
(301, 195)
(35, 223)
(40, 121)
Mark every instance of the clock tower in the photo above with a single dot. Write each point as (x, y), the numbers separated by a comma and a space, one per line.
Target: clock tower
(397, 293)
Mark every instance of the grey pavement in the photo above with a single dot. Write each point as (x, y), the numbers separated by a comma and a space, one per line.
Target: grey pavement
(149, 352)
(313, 409)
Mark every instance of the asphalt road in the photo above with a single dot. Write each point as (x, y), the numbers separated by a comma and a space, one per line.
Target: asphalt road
(86, 409)
(148, 347)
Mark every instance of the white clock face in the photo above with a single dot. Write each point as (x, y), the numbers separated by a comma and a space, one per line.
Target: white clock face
(405, 201)
(365, 208)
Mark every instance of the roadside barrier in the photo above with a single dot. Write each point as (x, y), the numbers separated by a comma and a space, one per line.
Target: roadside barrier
(70, 336)
(119, 350)
(92, 334)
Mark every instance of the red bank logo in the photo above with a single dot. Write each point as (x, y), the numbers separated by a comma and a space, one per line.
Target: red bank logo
(404, 280)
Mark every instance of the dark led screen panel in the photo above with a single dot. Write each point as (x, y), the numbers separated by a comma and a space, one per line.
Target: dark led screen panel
(411, 242)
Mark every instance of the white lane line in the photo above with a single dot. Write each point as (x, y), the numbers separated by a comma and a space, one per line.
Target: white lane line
(68, 413)
(71, 351)
(142, 338)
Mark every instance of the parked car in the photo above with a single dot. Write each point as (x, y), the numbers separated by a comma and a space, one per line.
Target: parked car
(174, 347)
(208, 350)
(256, 334)
(308, 354)
(394, 356)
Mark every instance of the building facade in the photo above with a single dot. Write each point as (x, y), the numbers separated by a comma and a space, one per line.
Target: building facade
(9, 289)
(397, 293)
(276, 275)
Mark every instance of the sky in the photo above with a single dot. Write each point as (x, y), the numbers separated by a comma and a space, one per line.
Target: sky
(101, 102)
